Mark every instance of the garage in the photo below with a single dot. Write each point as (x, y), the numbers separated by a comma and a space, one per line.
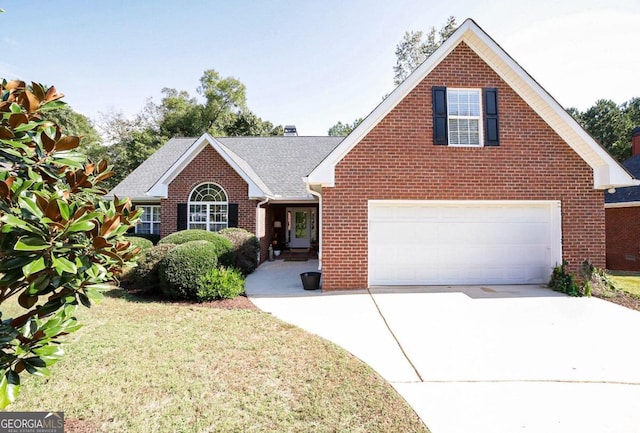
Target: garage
(463, 242)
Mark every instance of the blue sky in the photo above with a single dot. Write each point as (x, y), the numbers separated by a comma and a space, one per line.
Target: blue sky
(309, 63)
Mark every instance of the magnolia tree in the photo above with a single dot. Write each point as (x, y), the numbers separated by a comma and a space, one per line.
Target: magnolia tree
(61, 243)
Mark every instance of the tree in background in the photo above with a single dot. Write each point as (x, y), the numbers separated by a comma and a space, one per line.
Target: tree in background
(415, 47)
(221, 110)
(61, 243)
(79, 125)
(342, 129)
(611, 124)
(411, 51)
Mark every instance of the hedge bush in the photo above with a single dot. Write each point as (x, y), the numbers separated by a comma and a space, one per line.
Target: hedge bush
(147, 273)
(183, 266)
(184, 236)
(154, 238)
(220, 283)
(246, 248)
(139, 241)
(223, 246)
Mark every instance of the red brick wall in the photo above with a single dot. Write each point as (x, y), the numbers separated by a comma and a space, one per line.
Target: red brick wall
(207, 166)
(623, 238)
(397, 160)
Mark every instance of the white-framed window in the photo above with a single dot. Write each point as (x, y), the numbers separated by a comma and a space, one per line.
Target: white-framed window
(208, 208)
(149, 221)
(464, 114)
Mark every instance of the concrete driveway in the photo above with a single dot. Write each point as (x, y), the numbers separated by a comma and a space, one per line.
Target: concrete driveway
(478, 359)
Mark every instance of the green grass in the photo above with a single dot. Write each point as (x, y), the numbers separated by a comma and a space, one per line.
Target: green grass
(627, 281)
(154, 367)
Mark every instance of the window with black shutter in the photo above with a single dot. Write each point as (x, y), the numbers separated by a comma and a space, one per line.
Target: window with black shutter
(465, 116)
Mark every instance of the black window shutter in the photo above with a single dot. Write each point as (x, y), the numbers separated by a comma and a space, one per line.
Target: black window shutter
(182, 216)
(132, 229)
(233, 215)
(490, 98)
(440, 115)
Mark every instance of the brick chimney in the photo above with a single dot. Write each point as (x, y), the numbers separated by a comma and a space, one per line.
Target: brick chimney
(635, 141)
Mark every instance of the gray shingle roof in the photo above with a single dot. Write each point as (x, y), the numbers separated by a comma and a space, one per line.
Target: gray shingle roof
(142, 178)
(282, 162)
(279, 163)
(629, 193)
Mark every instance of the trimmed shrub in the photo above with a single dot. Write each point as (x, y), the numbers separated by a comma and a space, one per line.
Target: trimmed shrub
(154, 238)
(147, 273)
(222, 245)
(220, 283)
(184, 236)
(139, 241)
(184, 265)
(246, 248)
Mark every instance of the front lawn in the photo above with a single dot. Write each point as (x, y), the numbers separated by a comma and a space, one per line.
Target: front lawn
(164, 367)
(627, 281)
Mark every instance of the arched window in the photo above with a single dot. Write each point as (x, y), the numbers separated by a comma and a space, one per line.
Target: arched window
(208, 208)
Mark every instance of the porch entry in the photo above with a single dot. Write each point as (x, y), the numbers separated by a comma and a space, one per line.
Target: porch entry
(301, 226)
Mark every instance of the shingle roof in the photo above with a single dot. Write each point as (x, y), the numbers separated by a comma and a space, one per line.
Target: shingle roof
(282, 162)
(629, 193)
(138, 182)
(278, 163)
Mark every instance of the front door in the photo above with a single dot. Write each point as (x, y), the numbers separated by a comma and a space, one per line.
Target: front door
(301, 226)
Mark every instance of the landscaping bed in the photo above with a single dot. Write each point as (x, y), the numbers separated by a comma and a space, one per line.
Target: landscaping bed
(626, 291)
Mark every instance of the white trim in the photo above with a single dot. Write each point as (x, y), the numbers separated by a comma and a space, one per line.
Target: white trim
(161, 187)
(479, 118)
(555, 207)
(155, 211)
(207, 204)
(622, 204)
(289, 230)
(607, 173)
(259, 218)
(319, 225)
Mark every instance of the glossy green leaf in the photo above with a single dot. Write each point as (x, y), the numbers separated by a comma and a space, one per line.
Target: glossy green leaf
(60, 264)
(31, 243)
(64, 209)
(29, 204)
(94, 295)
(15, 263)
(34, 267)
(26, 127)
(9, 388)
(81, 226)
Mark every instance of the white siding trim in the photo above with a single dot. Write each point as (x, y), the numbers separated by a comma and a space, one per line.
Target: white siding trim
(622, 204)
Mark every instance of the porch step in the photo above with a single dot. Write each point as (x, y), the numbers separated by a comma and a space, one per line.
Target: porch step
(299, 250)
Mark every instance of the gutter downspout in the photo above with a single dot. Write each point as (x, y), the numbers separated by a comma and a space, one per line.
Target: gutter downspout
(258, 206)
(319, 195)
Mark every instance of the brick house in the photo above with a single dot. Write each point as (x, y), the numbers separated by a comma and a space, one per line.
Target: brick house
(622, 217)
(469, 172)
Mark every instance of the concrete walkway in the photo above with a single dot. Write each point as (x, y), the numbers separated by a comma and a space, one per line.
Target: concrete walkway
(478, 359)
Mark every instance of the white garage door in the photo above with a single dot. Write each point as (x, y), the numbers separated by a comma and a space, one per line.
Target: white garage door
(463, 242)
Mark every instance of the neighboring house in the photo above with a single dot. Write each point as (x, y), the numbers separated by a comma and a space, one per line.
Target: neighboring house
(622, 216)
(467, 173)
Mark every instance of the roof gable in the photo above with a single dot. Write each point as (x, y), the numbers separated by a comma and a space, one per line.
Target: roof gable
(257, 187)
(607, 173)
